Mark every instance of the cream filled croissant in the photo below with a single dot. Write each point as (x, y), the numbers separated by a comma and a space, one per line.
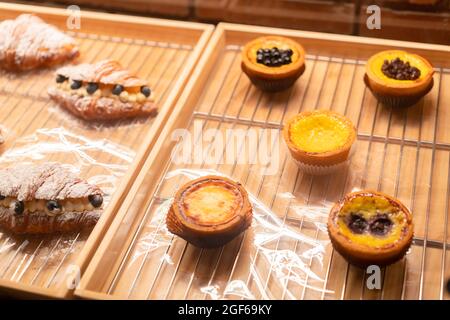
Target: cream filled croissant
(47, 198)
(102, 91)
(27, 43)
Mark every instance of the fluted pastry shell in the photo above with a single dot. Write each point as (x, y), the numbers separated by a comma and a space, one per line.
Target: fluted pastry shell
(322, 157)
(209, 211)
(367, 249)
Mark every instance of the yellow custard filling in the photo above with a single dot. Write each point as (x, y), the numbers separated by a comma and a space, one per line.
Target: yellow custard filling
(319, 133)
(414, 61)
(269, 44)
(372, 209)
(211, 204)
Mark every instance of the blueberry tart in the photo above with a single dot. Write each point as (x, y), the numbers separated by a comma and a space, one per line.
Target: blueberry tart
(370, 228)
(398, 78)
(47, 198)
(273, 63)
(210, 211)
(102, 91)
(319, 141)
(28, 43)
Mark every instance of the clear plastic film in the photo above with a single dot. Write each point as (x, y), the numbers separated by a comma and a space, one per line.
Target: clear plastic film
(272, 264)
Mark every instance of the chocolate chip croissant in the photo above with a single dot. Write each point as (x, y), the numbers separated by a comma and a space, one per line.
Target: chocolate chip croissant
(47, 198)
(102, 91)
(27, 43)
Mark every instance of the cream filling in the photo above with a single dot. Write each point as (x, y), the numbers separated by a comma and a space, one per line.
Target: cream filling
(68, 205)
(125, 96)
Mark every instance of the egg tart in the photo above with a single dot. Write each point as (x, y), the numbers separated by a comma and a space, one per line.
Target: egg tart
(398, 78)
(319, 141)
(209, 211)
(273, 63)
(370, 228)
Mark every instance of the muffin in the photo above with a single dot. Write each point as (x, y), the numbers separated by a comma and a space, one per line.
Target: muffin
(370, 228)
(209, 211)
(398, 78)
(319, 141)
(273, 63)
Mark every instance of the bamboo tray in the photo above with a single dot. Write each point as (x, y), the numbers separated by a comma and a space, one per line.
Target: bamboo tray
(162, 51)
(404, 153)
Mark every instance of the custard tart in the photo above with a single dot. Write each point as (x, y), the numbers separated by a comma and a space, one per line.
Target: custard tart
(28, 43)
(398, 78)
(273, 63)
(47, 198)
(102, 91)
(319, 141)
(210, 211)
(370, 228)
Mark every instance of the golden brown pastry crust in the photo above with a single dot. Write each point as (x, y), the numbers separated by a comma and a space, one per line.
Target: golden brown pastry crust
(27, 43)
(320, 158)
(363, 255)
(93, 107)
(209, 234)
(273, 78)
(45, 182)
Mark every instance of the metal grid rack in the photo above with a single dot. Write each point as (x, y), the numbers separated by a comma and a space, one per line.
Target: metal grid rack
(402, 152)
(45, 261)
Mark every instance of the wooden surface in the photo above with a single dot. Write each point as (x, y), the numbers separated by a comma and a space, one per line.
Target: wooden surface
(39, 265)
(405, 153)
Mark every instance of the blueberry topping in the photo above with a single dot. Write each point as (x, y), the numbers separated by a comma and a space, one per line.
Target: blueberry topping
(357, 223)
(146, 91)
(18, 207)
(117, 89)
(96, 200)
(381, 225)
(91, 87)
(53, 206)
(60, 78)
(76, 84)
(274, 57)
(2, 197)
(399, 70)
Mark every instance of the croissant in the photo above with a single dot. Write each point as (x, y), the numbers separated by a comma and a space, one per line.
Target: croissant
(47, 198)
(102, 91)
(27, 43)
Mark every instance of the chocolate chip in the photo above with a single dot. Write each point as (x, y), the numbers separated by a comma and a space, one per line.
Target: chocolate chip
(53, 206)
(76, 84)
(117, 89)
(60, 78)
(91, 87)
(2, 197)
(357, 223)
(96, 200)
(146, 91)
(381, 225)
(19, 207)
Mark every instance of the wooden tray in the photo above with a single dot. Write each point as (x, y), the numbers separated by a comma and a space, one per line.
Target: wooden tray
(162, 51)
(402, 152)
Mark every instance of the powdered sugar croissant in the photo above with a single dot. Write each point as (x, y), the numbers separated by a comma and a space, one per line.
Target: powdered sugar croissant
(47, 198)
(27, 43)
(102, 91)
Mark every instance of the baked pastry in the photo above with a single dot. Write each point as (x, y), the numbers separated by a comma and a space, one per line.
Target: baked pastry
(47, 198)
(209, 211)
(273, 63)
(319, 141)
(27, 43)
(102, 91)
(398, 78)
(368, 227)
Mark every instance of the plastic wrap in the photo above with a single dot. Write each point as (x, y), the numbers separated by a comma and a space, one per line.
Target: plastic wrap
(287, 266)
